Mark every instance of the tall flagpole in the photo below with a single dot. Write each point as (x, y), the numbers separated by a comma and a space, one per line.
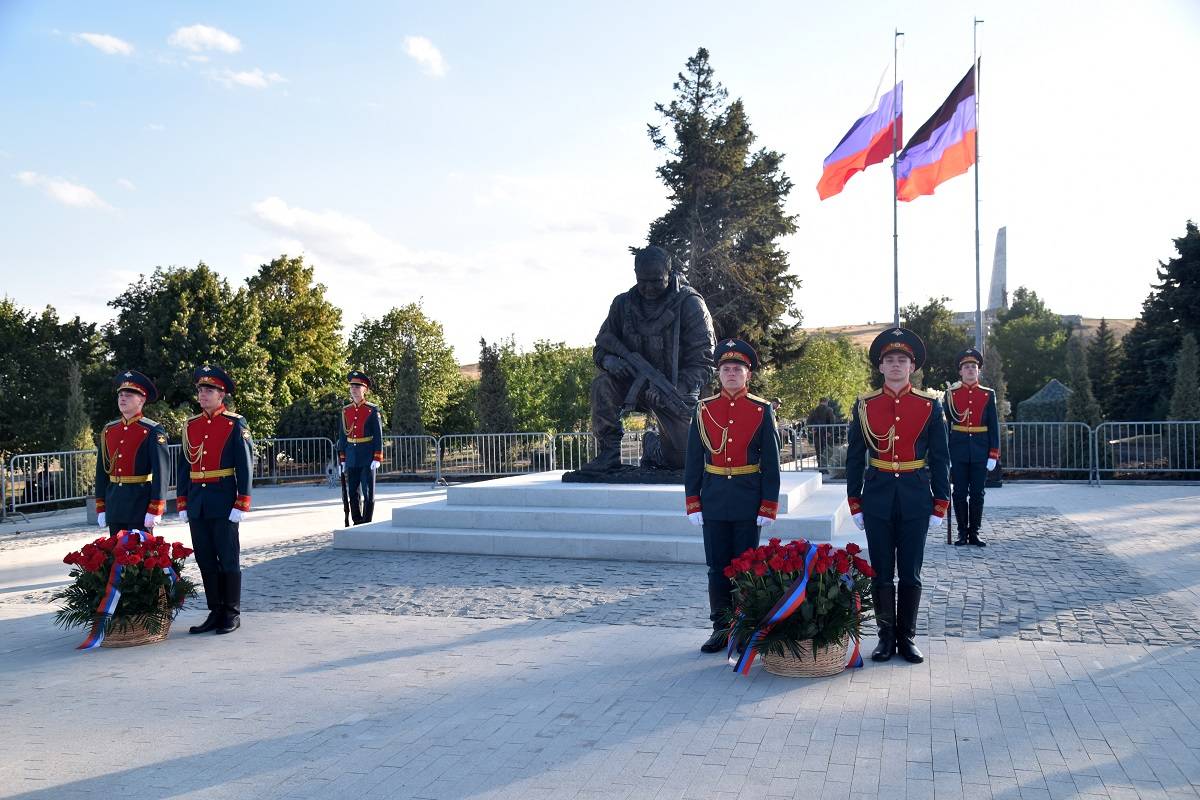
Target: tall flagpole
(895, 215)
(975, 66)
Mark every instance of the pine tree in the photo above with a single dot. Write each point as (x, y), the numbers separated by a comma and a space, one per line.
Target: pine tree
(1081, 403)
(495, 409)
(406, 411)
(727, 212)
(79, 472)
(1185, 398)
(1103, 357)
(1171, 311)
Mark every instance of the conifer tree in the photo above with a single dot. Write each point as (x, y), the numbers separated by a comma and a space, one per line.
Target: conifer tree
(495, 408)
(1081, 403)
(1103, 357)
(406, 411)
(79, 471)
(1185, 397)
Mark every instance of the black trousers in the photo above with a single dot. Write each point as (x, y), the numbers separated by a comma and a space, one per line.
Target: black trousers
(897, 547)
(360, 478)
(968, 480)
(725, 540)
(217, 545)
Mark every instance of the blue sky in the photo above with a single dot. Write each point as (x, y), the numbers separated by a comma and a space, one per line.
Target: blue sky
(491, 159)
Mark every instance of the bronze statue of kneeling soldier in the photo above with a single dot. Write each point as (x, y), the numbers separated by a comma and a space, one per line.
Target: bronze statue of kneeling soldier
(730, 475)
(974, 444)
(897, 485)
(131, 473)
(214, 495)
(360, 447)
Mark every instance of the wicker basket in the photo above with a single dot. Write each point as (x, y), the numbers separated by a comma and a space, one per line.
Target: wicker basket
(135, 635)
(829, 660)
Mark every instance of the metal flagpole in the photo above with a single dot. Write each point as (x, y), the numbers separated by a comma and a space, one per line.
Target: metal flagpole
(895, 215)
(975, 66)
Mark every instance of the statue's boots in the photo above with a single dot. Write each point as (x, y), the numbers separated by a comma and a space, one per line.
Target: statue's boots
(214, 596)
(976, 521)
(231, 620)
(884, 598)
(962, 520)
(607, 460)
(908, 602)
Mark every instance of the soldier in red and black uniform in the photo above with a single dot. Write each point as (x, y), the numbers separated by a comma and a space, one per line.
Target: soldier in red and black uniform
(897, 485)
(131, 474)
(360, 447)
(214, 495)
(730, 475)
(974, 444)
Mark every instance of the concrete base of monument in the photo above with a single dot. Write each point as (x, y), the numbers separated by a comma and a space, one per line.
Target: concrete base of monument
(539, 515)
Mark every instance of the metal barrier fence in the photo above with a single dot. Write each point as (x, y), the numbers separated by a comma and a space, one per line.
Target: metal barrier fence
(44, 479)
(415, 456)
(292, 459)
(1050, 448)
(1166, 449)
(474, 454)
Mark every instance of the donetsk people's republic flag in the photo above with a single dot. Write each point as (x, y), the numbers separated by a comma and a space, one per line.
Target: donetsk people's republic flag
(943, 147)
(869, 139)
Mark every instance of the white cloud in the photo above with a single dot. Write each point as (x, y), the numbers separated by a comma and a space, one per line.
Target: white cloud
(204, 37)
(109, 45)
(125, 183)
(254, 79)
(157, 127)
(69, 194)
(425, 53)
(198, 59)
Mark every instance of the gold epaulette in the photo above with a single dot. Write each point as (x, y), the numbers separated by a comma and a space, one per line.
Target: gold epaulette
(233, 414)
(707, 399)
(869, 395)
(108, 425)
(927, 394)
(149, 423)
(955, 385)
(198, 416)
(758, 399)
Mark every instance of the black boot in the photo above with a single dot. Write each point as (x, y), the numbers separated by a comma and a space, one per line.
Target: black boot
(232, 618)
(717, 642)
(962, 520)
(607, 460)
(976, 521)
(908, 601)
(368, 511)
(214, 596)
(884, 598)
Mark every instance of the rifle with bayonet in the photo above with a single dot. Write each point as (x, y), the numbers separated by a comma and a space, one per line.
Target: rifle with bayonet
(645, 376)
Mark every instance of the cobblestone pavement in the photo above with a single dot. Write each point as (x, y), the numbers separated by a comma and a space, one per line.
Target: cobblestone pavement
(1041, 578)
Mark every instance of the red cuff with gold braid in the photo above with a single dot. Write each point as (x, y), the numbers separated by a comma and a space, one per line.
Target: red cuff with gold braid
(181, 503)
(379, 456)
(939, 507)
(768, 509)
(156, 507)
(242, 503)
(692, 504)
(99, 505)
(994, 453)
(855, 504)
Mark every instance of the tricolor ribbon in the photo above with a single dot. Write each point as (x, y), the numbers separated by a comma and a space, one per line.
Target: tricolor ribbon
(792, 599)
(112, 592)
(856, 659)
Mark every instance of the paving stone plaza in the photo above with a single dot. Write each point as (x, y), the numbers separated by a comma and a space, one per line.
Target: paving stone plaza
(1062, 662)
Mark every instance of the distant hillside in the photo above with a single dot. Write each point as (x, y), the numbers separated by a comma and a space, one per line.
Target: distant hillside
(862, 335)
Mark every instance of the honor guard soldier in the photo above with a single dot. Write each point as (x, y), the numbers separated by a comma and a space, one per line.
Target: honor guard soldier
(214, 494)
(131, 474)
(897, 484)
(974, 444)
(360, 447)
(730, 475)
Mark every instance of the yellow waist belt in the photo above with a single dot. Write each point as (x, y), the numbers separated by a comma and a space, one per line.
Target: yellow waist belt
(130, 478)
(897, 466)
(359, 440)
(729, 472)
(212, 473)
(968, 429)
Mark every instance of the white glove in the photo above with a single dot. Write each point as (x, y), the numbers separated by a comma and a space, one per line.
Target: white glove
(765, 521)
(696, 517)
(151, 520)
(102, 520)
(991, 465)
(341, 468)
(936, 522)
(858, 521)
(183, 516)
(374, 466)
(236, 514)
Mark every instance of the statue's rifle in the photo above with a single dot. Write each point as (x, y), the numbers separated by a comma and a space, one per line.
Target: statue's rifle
(647, 375)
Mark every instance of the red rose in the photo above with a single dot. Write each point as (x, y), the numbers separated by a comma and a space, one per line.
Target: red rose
(107, 544)
(853, 549)
(864, 567)
(760, 568)
(775, 541)
(72, 558)
(820, 564)
(776, 563)
(842, 565)
(730, 571)
(179, 551)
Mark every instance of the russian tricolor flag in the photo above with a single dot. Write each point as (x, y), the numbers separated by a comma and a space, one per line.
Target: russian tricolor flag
(943, 148)
(869, 139)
